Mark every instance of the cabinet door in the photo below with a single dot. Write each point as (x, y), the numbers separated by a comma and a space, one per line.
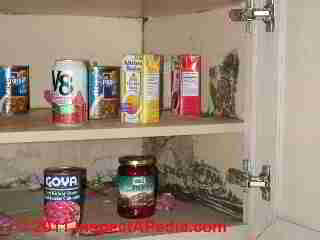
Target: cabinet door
(263, 122)
(299, 204)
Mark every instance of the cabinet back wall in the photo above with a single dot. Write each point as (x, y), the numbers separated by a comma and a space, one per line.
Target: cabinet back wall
(39, 40)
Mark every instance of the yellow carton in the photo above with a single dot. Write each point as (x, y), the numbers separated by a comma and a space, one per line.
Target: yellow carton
(150, 86)
(130, 85)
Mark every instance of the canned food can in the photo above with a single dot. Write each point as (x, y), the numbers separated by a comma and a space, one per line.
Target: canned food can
(64, 197)
(104, 92)
(130, 94)
(14, 89)
(70, 92)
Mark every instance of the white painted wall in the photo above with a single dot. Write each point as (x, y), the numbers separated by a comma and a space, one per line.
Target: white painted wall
(301, 135)
(39, 40)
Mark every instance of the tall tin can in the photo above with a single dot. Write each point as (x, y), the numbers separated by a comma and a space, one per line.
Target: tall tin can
(63, 197)
(70, 92)
(130, 84)
(104, 92)
(14, 89)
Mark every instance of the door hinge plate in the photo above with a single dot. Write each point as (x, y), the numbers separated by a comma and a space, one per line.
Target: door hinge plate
(263, 181)
(250, 14)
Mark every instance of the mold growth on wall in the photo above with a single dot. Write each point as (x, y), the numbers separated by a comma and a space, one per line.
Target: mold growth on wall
(223, 87)
(194, 179)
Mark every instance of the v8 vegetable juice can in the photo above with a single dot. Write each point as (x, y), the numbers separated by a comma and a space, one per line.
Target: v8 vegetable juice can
(63, 197)
(70, 94)
(14, 89)
(104, 92)
(130, 94)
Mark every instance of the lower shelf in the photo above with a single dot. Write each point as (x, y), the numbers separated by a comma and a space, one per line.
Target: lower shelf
(26, 206)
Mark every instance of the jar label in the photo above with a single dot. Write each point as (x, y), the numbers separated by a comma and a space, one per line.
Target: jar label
(136, 191)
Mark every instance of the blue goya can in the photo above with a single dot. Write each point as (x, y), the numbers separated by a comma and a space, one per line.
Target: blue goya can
(104, 92)
(14, 89)
(64, 197)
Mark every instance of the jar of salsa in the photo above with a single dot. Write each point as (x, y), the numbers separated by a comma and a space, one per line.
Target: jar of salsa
(137, 180)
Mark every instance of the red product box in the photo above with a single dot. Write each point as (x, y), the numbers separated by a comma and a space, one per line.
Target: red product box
(190, 85)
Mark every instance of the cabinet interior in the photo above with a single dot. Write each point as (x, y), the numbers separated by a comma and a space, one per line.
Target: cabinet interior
(44, 36)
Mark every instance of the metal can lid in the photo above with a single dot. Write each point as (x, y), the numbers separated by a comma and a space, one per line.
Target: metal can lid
(65, 170)
(15, 66)
(105, 68)
(133, 160)
(70, 60)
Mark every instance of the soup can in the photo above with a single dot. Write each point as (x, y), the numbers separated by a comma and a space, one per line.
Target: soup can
(14, 89)
(69, 92)
(104, 92)
(64, 197)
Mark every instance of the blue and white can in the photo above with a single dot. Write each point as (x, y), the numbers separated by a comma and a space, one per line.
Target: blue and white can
(14, 89)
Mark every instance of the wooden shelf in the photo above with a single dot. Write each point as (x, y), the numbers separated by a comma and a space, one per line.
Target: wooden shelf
(27, 207)
(111, 8)
(35, 127)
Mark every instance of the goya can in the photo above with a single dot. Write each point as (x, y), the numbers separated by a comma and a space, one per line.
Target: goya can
(104, 92)
(130, 94)
(63, 197)
(14, 89)
(69, 92)
(137, 184)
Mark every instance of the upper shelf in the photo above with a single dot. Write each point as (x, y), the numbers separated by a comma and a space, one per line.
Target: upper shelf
(110, 8)
(35, 127)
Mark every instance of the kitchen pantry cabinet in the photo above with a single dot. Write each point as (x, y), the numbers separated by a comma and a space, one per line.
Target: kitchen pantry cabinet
(38, 32)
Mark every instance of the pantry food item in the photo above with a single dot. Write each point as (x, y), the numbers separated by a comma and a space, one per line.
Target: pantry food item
(104, 92)
(7, 224)
(137, 180)
(150, 97)
(69, 92)
(14, 89)
(190, 103)
(63, 197)
(175, 84)
(130, 84)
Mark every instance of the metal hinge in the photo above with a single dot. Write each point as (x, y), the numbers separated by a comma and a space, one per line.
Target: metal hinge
(250, 13)
(263, 181)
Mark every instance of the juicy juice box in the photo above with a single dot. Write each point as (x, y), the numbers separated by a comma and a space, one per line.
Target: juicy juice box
(130, 88)
(150, 98)
(190, 100)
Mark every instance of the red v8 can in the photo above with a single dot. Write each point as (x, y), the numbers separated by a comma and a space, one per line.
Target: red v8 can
(63, 197)
(70, 92)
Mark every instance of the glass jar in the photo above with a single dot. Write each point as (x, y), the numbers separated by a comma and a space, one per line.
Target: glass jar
(137, 180)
